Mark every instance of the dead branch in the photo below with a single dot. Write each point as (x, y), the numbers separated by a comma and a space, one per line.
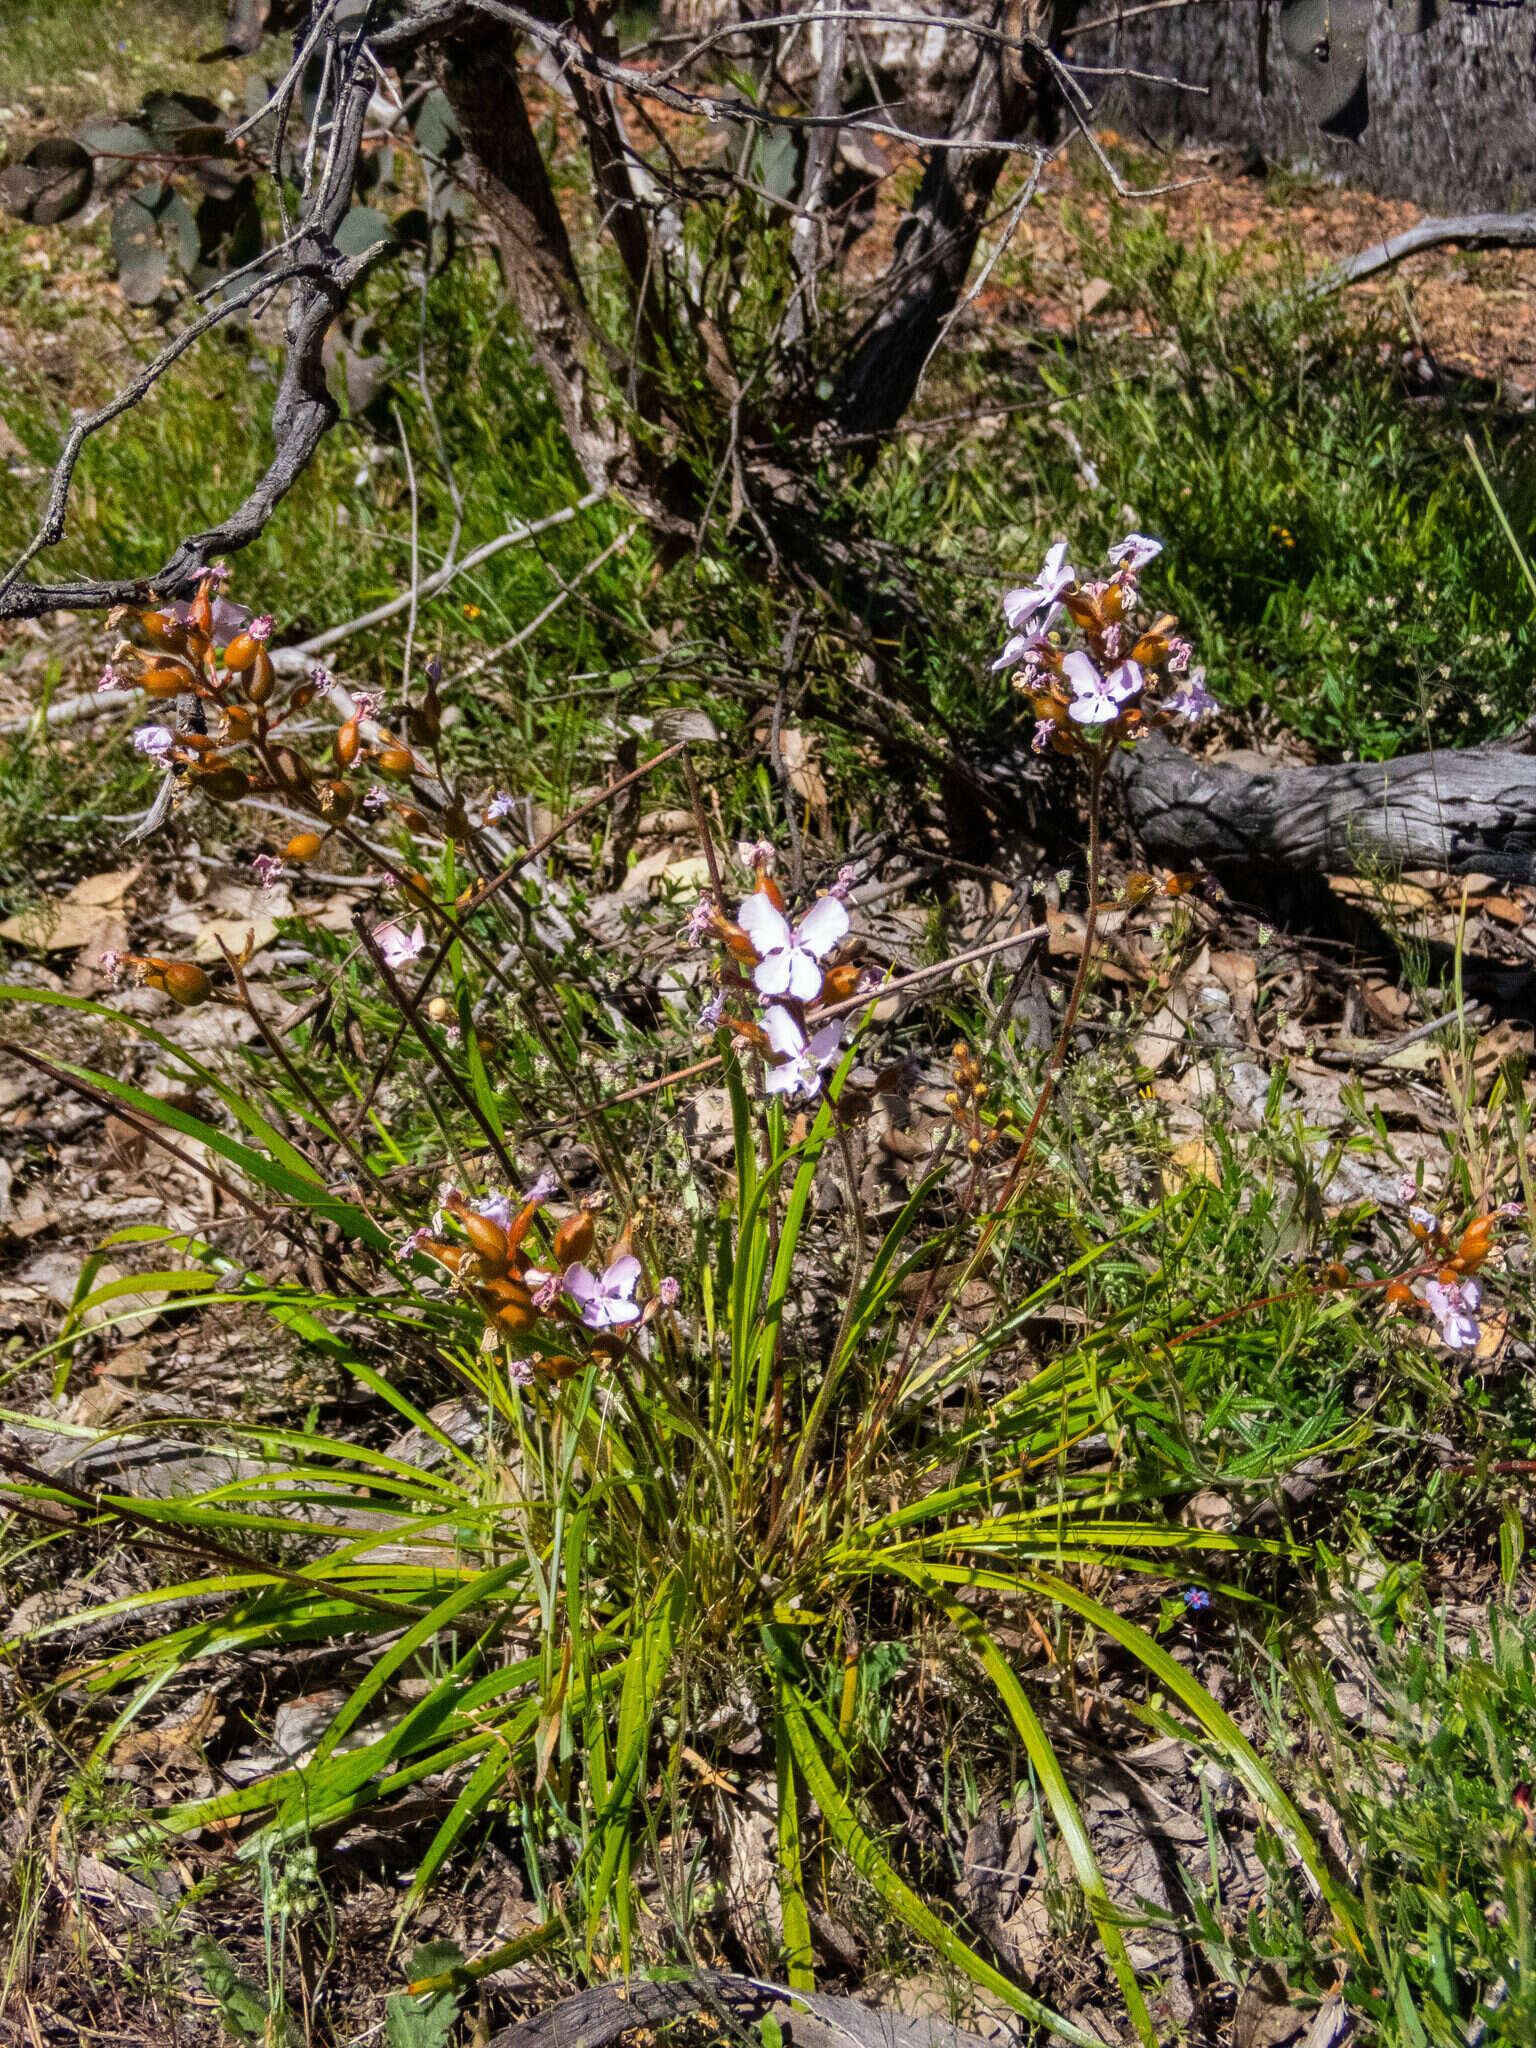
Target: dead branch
(1471, 230)
(319, 279)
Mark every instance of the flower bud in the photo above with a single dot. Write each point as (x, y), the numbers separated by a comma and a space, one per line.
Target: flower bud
(396, 760)
(440, 1010)
(241, 653)
(840, 982)
(302, 846)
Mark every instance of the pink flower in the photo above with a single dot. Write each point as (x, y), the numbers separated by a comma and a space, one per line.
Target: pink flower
(789, 957)
(1134, 552)
(1021, 646)
(1044, 727)
(261, 628)
(154, 740)
(111, 965)
(802, 1061)
(113, 679)
(1452, 1305)
(607, 1302)
(375, 800)
(363, 705)
(670, 1292)
(520, 1372)
(842, 888)
(397, 949)
(700, 921)
(1194, 700)
(501, 805)
(544, 1288)
(1096, 699)
(1020, 606)
(1180, 653)
(266, 867)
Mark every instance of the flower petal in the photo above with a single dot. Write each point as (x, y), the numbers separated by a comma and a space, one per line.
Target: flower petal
(782, 1032)
(824, 1045)
(581, 1284)
(1080, 672)
(783, 1080)
(622, 1277)
(766, 927)
(823, 926)
(804, 975)
(772, 975)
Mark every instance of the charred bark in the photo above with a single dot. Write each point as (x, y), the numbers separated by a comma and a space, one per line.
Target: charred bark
(1462, 813)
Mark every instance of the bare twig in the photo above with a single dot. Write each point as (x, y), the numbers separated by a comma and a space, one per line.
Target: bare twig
(294, 660)
(1472, 230)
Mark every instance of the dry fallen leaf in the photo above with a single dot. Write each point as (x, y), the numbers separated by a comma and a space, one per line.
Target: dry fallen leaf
(55, 927)
(179, 1741)
(1193, 1160)
(101, 891)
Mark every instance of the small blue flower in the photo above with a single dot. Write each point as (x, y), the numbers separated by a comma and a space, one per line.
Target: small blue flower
(1196, 1599)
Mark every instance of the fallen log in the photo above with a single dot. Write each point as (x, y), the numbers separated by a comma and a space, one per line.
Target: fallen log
(1461, 812)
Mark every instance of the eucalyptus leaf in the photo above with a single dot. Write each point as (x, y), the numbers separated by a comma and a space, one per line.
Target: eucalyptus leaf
(142, 266)
(361, 229)
(52, 181)
(115, 147)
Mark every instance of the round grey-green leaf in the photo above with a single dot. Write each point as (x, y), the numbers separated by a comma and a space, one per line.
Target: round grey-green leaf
(142, 268)
(361, 229)
(52, 181)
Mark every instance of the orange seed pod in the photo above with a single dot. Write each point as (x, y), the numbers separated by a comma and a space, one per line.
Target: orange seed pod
(573, 1240)
(346, 743)
(302, 846)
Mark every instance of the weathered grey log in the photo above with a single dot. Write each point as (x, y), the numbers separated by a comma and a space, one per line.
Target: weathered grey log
(1464, 813)
(604, 2013)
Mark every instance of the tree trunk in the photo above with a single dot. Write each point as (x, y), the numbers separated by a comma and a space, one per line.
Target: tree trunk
(1463, 813)
(1447, 105)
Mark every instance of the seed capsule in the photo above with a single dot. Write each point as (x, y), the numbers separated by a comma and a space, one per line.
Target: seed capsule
(166, 679)
(180, 980)
(440, 1010)
(337, 799)
(241, 653)
(510, 1306)
(346, 743)
(398, 761)
(291, 770)
(573, 1240)
(225, 785)
(302, 846)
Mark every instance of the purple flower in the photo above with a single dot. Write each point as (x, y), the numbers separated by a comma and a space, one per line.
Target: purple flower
(501, 805)
(1134, 552)
(1180, 653)
(546, 1185)
(321, 681)
(670, 1292)
(1044, 727)
(1194, 700)
(416, 1241)
(1020, 606)
(111, 965)
(397, 948)
(154, 740)
(375, 800)
(266, 867)
(1426, 1219)
(802, 1061)
(789, 958)
(261, 629)
(1096, 699)
(842, 888)
(709, 1017)
(1452, 1304)
(495, 1209)
(606, 1302)
(113, 679)
(520, 1373)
